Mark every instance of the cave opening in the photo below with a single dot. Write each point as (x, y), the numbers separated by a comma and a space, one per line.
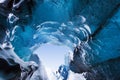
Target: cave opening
(53, 56)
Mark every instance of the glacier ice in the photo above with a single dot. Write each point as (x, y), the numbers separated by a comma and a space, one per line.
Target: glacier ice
(90, 28)
(12, 18)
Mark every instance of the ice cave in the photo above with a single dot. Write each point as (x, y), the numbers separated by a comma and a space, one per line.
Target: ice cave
(59, 39)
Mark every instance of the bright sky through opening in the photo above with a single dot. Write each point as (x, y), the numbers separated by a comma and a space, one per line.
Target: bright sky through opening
(52, 56)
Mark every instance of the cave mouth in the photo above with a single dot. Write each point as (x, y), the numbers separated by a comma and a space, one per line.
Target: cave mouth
(52, 56)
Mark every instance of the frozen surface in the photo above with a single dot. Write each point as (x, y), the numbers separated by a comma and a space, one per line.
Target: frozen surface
(89, 28)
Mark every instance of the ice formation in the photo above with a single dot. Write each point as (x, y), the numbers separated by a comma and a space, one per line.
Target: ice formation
(89, 28)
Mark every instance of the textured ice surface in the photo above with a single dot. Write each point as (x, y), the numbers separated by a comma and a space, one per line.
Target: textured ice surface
(90, 28)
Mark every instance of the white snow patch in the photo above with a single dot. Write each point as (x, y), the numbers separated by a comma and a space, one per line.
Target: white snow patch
(76, 76)
(2, 1)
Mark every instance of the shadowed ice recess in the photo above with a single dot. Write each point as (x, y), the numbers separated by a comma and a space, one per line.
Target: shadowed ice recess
(59, 39)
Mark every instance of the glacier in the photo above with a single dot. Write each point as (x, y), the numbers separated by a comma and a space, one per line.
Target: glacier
(89, 28)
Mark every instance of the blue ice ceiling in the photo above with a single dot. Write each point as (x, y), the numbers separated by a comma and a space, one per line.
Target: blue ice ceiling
(89, 28)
